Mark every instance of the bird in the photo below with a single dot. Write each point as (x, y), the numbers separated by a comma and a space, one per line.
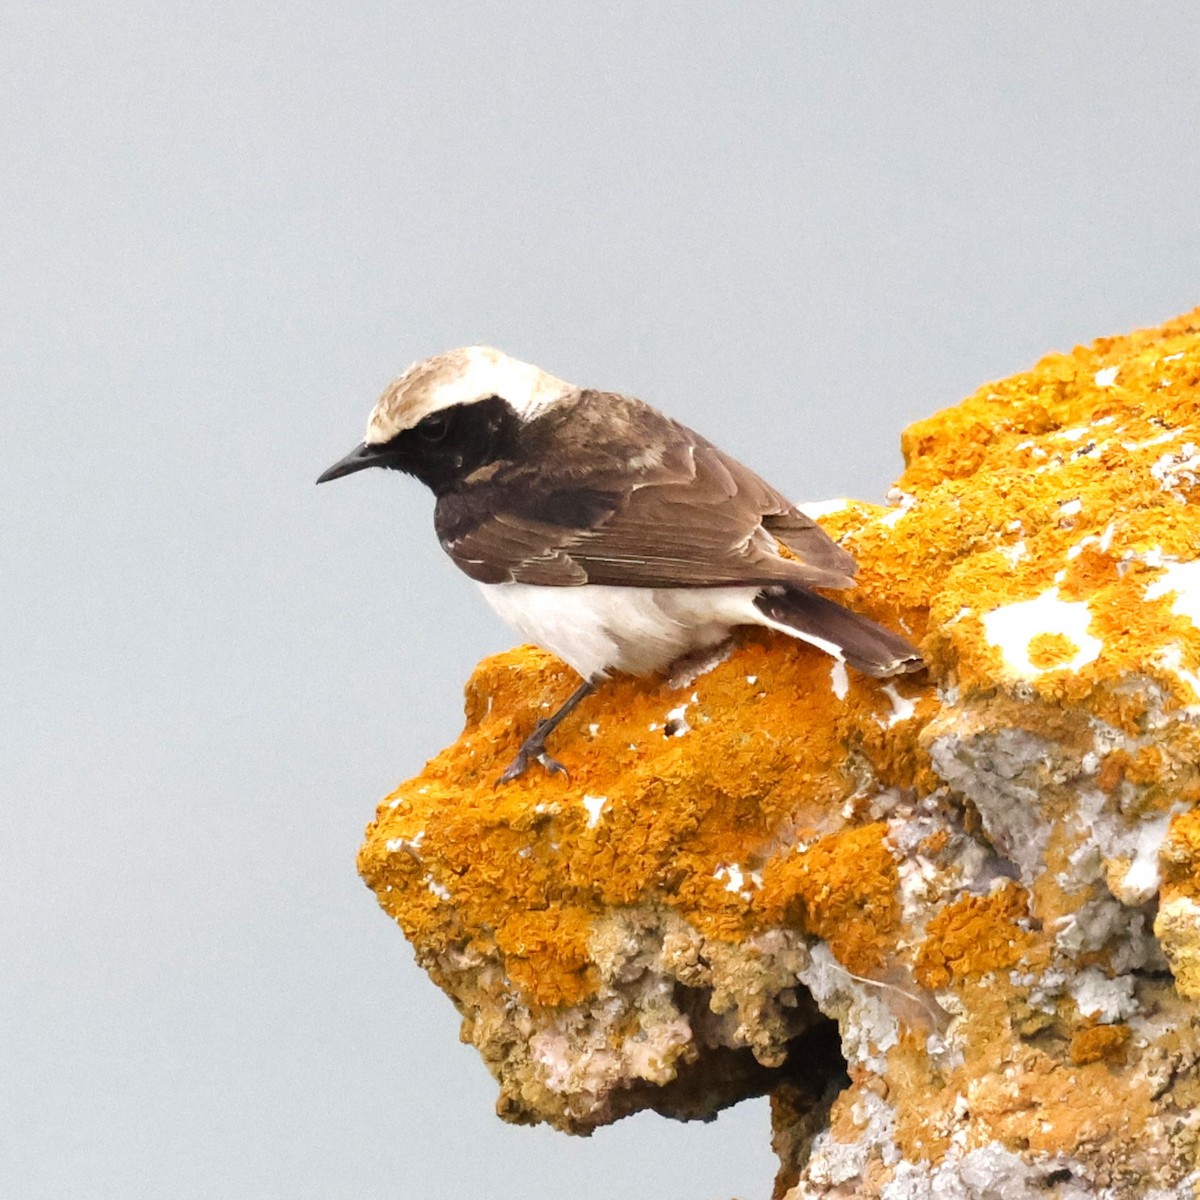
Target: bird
(604, 531)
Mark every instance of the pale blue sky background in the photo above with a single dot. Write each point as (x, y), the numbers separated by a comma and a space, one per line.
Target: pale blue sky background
(225, 227)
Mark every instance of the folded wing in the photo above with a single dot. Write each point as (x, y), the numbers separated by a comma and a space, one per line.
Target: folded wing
(692, 517)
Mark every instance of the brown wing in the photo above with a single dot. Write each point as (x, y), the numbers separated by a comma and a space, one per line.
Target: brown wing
(695, 518)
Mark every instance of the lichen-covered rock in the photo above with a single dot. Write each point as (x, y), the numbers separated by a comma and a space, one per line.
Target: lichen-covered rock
(981, 887)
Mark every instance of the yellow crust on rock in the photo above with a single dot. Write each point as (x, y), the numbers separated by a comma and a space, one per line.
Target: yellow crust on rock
(1098, 1042)
(695, 832)
(974, 936)
(1051, 458)
(1043, 559)
(843, 890)
(1181, 857)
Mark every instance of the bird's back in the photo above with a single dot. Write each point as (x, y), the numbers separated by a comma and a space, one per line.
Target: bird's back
(605, 489)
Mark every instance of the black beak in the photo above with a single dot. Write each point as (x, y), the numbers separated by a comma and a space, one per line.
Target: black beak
(361, 457)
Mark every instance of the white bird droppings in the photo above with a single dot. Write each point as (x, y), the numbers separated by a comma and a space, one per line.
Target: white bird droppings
(903, 502)
(737, 879)
(838, 679)
(677, 723)
(410, 845)
(734, 876)
(1170, 658)
(1157, 440)
(595, 806)
(1178, 469)
(902, 707)
(1182, 578)
(1015, 552)
(1012, 627)
(439, 890)
(815, 509)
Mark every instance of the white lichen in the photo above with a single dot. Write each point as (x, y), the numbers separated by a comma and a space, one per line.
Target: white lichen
(868, 1026)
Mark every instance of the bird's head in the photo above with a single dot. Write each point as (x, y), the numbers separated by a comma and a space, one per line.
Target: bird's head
(449, 415)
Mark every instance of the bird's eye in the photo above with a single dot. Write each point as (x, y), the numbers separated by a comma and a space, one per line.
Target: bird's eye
(433, 428)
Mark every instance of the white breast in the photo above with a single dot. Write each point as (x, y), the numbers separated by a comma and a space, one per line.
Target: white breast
(598, 629)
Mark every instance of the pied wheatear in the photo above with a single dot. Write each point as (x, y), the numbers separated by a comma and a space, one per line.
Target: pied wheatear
(605, 532)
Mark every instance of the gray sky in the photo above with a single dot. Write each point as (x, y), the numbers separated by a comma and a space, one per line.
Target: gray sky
(794, 226)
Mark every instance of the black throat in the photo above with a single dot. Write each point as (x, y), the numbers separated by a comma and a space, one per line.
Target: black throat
(447, 446)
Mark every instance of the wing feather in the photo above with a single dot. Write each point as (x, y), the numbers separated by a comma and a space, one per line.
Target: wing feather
(694, 518)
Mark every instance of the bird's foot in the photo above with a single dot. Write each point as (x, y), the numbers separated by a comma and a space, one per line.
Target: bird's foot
(534, 746)
(533, 750)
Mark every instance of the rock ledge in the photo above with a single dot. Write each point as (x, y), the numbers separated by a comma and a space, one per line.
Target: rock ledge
(952, 924)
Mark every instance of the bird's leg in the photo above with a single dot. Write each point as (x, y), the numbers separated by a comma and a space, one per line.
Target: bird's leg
(534, 746)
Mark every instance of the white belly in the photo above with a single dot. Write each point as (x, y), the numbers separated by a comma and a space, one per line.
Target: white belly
(597, 629)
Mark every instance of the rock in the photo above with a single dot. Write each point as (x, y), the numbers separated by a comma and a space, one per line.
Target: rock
(951, 923)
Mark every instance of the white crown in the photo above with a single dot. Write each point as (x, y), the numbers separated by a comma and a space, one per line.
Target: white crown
(461, 376)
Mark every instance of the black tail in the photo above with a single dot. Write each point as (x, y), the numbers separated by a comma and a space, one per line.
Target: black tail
(864, 644)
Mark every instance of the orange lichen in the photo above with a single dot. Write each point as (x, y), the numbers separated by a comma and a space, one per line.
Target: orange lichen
(1061, 473)
(1047, 472)
(1181, 857)
(545, 954)
(1014, 1093)
(670, 824)
(844, 890)
(797, 803)
(1048, 650)
(1094, 1043)
(935, 843)
(973, 936)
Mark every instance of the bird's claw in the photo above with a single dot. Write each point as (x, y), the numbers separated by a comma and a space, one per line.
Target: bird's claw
(517, 767)
(520, 765)
(553, 766)
(534, 746)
